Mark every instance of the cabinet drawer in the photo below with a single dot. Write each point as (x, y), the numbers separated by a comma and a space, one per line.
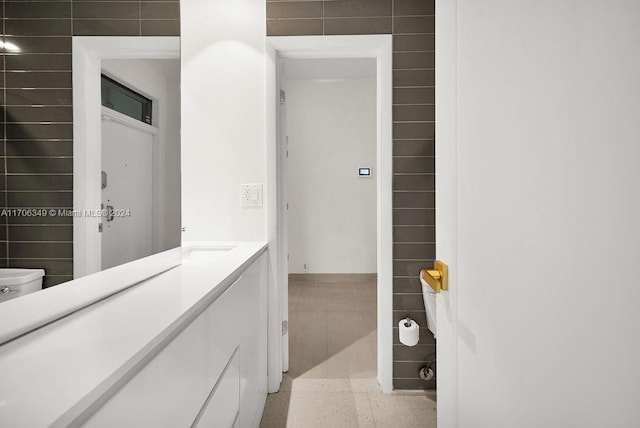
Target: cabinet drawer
(222, 408)
(172, 388)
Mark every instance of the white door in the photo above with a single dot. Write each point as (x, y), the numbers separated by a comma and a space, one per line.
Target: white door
(127, 160)
(538, 151)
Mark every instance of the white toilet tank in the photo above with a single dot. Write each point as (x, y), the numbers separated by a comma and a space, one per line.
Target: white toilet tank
(429, 297)
(18, 282)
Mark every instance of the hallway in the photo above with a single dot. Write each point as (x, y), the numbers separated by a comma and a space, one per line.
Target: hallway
(332, 375)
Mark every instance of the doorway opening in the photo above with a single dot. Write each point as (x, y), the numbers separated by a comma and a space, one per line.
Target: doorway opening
(338, 369)
(378, 49)
(328, 113)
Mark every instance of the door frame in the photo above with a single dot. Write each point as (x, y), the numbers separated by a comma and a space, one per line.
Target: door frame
(88, 53)
(377, 46)
(447, 208)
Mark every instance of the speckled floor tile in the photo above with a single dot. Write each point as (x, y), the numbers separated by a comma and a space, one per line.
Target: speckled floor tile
(332, 366)
(403, 411)
(316, 410)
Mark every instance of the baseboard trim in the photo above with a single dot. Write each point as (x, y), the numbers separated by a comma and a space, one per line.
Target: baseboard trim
(334, 277)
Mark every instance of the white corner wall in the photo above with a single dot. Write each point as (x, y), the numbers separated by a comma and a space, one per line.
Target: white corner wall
(331, 125)
(223, 117)
(224, 134)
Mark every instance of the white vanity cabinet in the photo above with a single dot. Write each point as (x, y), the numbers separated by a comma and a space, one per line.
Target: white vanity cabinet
(212, 373)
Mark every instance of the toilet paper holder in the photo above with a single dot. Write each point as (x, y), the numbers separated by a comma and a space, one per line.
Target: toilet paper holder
(438, 277)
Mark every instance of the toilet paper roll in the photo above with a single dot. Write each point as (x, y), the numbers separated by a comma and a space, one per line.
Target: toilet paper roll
(409, 332)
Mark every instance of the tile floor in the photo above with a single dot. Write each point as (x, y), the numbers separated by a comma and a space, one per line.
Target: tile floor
(332, 372)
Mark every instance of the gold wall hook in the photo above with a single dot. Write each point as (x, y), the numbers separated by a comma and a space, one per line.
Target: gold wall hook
(438, 277)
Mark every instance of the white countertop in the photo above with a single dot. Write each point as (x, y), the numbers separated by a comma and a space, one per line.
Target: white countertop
(51, 375)
(31, 311)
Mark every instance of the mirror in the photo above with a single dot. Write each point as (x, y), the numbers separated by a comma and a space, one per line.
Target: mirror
(94, 187)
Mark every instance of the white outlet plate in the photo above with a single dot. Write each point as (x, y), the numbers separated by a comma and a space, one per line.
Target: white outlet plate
(251, 195)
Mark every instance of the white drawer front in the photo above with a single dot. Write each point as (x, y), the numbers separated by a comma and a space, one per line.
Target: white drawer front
(223, 405)
(182, 385)
(171, 389)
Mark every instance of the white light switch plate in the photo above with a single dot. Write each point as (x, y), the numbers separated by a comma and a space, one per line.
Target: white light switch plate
(251, 195)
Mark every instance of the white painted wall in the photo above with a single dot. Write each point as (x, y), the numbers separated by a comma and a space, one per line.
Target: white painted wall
(224, 79)
(545, 135)
(160, 79)
(226, 70)
(332, 212)
(224, 110)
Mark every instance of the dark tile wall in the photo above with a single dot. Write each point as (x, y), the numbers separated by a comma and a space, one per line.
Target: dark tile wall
(412, 23)
(36, 165)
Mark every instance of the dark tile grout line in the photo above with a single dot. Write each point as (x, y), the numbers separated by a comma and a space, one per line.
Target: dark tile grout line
(4, 134)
